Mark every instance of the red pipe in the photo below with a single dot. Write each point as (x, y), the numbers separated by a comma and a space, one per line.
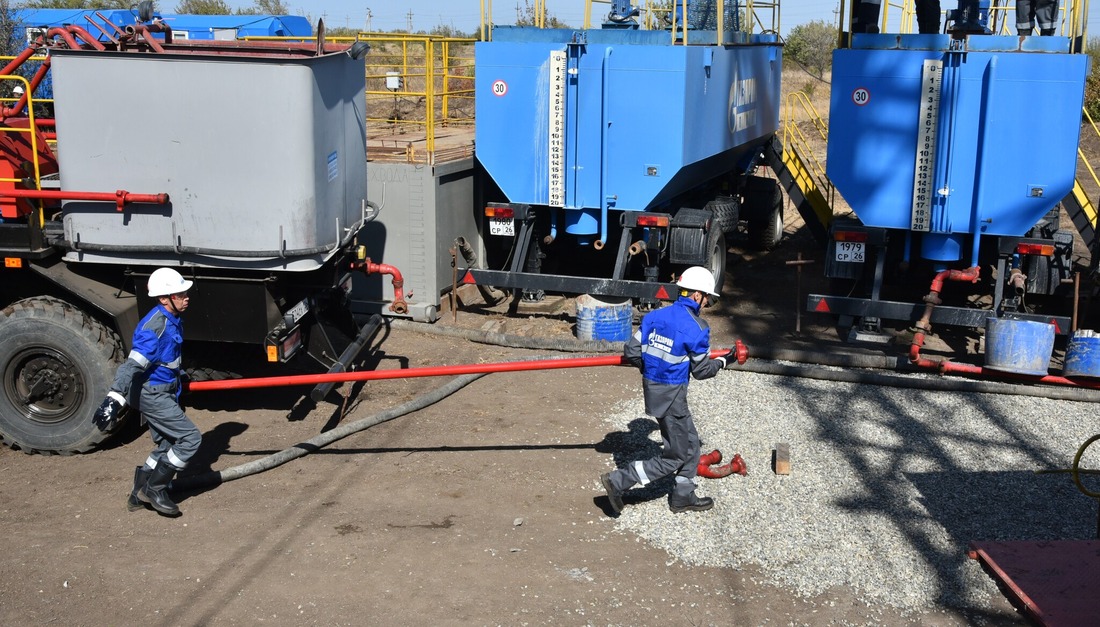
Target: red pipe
(930, 301)
(86, 36)
(17, 109)
(412, 373)
(147, 37)
(65, 35)
(17, 61)
(120, 197)
(368, 267)
(707, 460)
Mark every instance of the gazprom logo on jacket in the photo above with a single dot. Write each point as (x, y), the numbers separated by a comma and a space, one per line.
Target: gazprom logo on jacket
(657, 340)
(742, 105)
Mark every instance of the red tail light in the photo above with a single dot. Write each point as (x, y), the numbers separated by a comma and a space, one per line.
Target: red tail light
(649, 220)
(500, 212)
(850, 236)
(1046, 250)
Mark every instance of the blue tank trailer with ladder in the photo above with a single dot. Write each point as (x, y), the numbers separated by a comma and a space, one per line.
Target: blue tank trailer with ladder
(954, 151)
(615, 156)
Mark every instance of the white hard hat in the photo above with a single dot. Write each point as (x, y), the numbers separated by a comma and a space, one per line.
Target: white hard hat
(17, 90)
(166, 281)
(697, 279)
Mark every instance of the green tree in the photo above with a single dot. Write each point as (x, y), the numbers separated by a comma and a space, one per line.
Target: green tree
(266, 7)
(811, 46)
(203, 7)
(1092, 83)
(525, 16)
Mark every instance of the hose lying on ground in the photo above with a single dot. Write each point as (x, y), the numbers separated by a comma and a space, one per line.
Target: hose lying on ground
(217, 477)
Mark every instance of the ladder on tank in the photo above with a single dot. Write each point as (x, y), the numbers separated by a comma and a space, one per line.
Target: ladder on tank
(800, 173)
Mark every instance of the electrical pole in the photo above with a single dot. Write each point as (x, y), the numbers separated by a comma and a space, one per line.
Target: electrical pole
(369, 17)
(409, 21)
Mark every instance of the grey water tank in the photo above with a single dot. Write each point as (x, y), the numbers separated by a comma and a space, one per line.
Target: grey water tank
(263, 153)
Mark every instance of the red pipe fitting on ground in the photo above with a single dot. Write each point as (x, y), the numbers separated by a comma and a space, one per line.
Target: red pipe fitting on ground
(707, 468)
(368, 267)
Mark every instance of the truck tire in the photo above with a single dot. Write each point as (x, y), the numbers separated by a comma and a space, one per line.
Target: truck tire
(716, 260)
(56, 365)
(764, 201)
(725, 213)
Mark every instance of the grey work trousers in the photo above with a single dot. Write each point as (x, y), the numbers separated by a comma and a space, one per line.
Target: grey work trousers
(679, 454)
(1030, 12)
(176, 438)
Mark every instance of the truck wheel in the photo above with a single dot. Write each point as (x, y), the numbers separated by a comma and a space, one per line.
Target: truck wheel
(766, 221)
(56, 364)
(716, 261)
(725, 213)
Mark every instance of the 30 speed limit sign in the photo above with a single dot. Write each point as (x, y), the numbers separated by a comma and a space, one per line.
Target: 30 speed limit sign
(861, 96)
(499, 88)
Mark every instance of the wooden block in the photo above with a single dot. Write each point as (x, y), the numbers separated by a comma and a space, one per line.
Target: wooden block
(781, 459)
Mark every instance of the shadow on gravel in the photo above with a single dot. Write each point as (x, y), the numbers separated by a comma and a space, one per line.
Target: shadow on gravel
(879, 433)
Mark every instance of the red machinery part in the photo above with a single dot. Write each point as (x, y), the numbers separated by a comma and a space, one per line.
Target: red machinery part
(708, 469)
(399, 304)
(119, 197)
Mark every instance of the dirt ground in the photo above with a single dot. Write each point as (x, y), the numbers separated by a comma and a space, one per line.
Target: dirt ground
(484, 508)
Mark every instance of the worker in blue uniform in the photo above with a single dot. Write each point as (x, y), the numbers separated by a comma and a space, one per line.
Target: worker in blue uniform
(149, 379)
(671, 346)
(1032, 12)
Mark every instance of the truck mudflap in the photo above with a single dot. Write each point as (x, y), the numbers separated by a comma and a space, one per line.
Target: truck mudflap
(350, 354)
(559, 284)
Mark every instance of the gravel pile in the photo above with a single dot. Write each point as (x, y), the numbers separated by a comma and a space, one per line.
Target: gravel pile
(887, 488)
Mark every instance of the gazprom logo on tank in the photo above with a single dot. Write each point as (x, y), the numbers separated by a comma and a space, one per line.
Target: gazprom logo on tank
(742, 104)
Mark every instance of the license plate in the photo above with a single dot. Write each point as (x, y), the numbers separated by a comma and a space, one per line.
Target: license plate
(298, 311)
(850, 252)
(502, 226)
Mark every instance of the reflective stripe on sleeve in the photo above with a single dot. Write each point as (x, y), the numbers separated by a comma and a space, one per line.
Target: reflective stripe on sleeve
(640, 470)
(139, 358)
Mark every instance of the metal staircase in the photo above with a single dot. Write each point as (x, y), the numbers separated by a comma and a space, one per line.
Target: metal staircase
(799, 171)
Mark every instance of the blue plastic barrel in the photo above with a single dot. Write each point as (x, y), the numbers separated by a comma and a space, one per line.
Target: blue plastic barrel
(1083, 356)
(600, 319)
(1019, 346)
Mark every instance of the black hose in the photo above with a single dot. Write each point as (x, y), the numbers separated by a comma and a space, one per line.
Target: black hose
(217, 477)
(565, 345)
(490, 294)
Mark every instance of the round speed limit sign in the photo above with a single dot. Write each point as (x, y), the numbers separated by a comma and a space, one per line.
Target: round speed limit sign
(499, 88)
(861, 96)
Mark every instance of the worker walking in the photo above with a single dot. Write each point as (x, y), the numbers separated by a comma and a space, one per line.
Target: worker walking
(672, 345)
(1030, 12)
(149, 379)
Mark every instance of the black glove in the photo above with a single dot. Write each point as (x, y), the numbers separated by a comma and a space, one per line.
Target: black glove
(729, 360)
(107, 416)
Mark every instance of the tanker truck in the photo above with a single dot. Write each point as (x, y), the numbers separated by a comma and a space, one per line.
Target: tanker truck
(615, 156)
(241, 165)
(953, 150)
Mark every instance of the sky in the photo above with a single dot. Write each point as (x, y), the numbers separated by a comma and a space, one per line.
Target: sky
(464, 15)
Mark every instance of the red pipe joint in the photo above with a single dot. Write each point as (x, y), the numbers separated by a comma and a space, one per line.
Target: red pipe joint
(707, 468)
(399, 305)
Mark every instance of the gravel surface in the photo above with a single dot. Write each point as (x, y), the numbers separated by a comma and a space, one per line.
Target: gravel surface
(887, 487)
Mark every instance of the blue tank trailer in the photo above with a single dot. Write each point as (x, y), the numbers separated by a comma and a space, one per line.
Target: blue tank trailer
(614, 156)
(954, 151)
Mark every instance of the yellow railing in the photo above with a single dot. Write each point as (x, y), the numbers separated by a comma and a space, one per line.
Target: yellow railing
(759, 16)
(799, 108)
(898, 16)
(30, 131)
(416, 86)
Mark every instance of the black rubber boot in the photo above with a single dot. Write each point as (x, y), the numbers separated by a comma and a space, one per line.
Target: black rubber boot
(155, 491)
(692, 504)
(615, 497)
(141, 476)
(1046, 32)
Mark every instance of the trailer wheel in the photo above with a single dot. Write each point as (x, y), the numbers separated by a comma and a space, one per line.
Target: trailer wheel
(765, 203)
(725, 213)
(716, 261)
(56, 364)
